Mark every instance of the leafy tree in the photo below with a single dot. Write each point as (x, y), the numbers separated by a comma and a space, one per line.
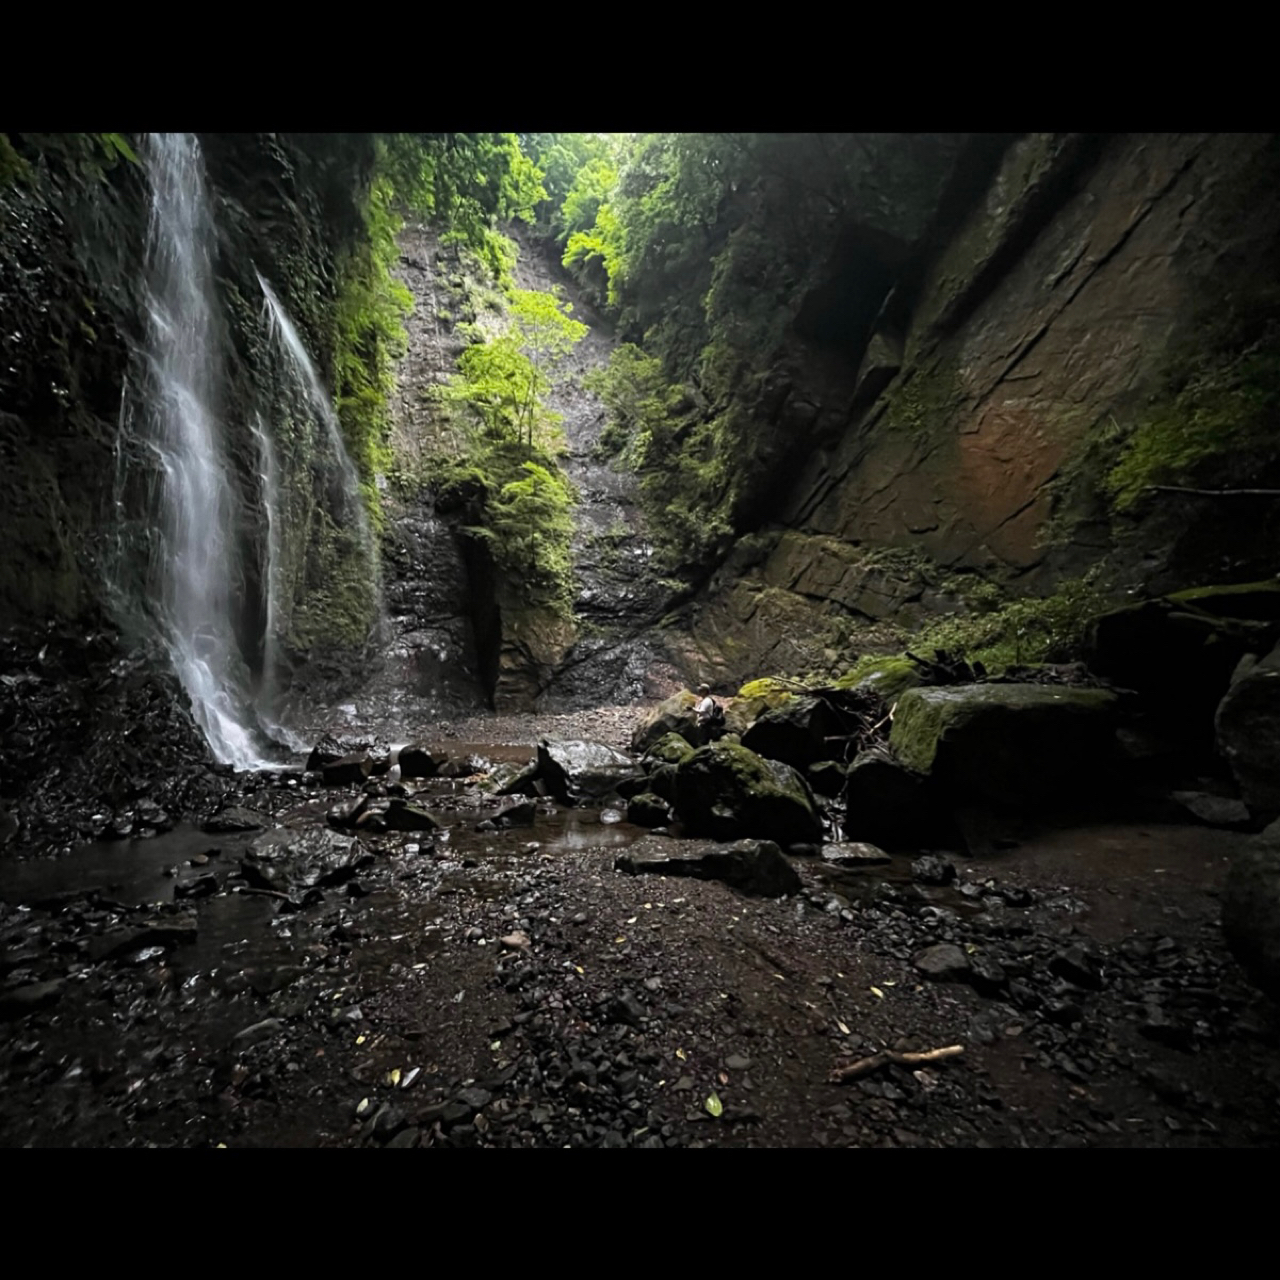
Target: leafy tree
(503, 381)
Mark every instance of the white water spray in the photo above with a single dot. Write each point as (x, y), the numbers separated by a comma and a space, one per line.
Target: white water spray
(199, 585)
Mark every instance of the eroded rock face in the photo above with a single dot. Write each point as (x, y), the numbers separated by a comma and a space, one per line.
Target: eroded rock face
(726, 791)
(1015, 744)
(1248, 727)
(1251, 910)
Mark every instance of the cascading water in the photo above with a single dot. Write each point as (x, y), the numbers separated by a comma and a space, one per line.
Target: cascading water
(197, 587)
(346, 505)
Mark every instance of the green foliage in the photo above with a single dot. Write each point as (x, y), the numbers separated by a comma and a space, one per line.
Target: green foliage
(1223, 406)
(1026, 630)
(640, 402)
(467, 182)
(528, 526)
(368, 319)
(502, 382)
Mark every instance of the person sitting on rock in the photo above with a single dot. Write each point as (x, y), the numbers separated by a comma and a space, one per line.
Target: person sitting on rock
(709, 714)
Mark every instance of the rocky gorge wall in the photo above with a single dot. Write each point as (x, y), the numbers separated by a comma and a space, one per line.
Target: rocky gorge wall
(1082, 306)
(73, 229)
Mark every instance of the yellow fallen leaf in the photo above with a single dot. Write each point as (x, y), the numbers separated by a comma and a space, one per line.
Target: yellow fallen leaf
(875, 991)
(579, 968)
(393, 1076)
(889, 982)
(844, 1031)
(680, 1054)
(633, 920)
(970, 948)
(779, 977)
(360, 1039)
(223, 1145)
(714, 1105)
(619, 939)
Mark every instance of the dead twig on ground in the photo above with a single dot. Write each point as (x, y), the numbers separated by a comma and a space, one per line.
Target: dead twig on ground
(864, 1066)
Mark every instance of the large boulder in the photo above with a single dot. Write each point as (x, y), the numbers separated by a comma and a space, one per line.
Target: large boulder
(1015, 744)
(796, 733)
(676, 714)
(1248, 727)
(1180, 652)
(576, 771)
(1251, 910)
(755, 867)
(725, 791)
(889, 805)
(288, 859)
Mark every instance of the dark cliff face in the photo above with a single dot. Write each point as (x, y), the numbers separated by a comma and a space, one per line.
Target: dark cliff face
(1094, 316)
(73, 228)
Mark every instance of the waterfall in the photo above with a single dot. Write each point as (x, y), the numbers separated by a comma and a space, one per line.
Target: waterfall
(346, 502)
(197, 583)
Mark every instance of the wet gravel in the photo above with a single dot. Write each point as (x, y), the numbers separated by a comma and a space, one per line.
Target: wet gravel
(511, 988)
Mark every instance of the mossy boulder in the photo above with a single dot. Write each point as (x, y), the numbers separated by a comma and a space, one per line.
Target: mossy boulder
(754, 699)
(1015, 744)
(1248, 728)
(889, 677)
(726, 791)
(675, 714)
(648, 810)
(671, 748)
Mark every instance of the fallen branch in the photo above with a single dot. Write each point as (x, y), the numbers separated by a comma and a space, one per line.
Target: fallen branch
(865, 1066)
(1217, 493)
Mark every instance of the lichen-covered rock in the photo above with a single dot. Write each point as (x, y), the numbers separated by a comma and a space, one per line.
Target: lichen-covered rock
(1251, 910)
(889, 677)
(726, 791)
(674, 715)
(648, 810)
(1248, 728)
(1016, 744)
(671, 748)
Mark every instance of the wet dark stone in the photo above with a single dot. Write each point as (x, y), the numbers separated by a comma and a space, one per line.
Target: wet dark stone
(400, 815)
(234, 819)
(348, 769)
(520, 814)
(1214, 811)
(576, 771)
(933, 870)
(854, 854)
(756, 867)
(17, 1002)
(201, 887)
(1080, 965)
(171, 932)
(417, 761)
(1158, 1025)
(648, 810)
(987, 975)
(943, 962)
